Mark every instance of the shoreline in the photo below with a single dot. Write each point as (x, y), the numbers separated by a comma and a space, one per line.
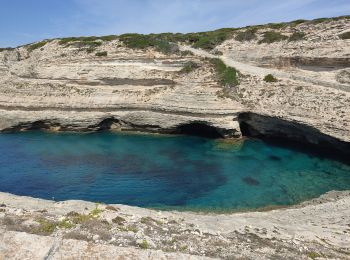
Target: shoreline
(317, 226)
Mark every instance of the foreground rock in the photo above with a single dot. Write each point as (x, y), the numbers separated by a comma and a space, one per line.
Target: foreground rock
(34, 229)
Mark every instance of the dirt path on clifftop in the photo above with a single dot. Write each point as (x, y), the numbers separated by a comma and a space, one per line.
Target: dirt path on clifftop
(261, 72)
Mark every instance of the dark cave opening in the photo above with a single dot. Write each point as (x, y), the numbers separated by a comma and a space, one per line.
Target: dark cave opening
(198, 129)
(280, 132)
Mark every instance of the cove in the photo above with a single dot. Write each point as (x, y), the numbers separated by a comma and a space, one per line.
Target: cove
(166, 172)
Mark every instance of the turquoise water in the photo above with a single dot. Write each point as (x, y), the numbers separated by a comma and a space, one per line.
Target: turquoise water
(163, 171)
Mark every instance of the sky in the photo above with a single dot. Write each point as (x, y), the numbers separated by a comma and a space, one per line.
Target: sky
(26, 21)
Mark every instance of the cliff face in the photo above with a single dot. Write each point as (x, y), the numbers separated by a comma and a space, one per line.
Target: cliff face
(102, 84)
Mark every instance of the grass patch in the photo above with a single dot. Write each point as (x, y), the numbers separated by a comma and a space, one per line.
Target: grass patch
(101, 54)
(149, 221)
(37, 45)
(46, 226)
(247, 35)
(345, 36)
(297, 36)
(132, 228)
(227, 76)
(119, 220)
(270, 78)
(144, 244)
(189, 67)
(95, 212)
(271, 36)
(313, 255)
(77, 218)
(66, 224)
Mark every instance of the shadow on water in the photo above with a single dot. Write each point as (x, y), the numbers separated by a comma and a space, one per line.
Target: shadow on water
(295, 136)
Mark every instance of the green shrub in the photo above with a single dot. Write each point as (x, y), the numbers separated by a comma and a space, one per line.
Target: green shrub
(270, 78)
(319, 20)
(66, 224)
(101, 54)
(37, 45)
(247, 35)
(209, 40)
(144, 244)
(165, 41)
(46, 226)
(271, 36)
(141, 41)
(299, 21)
(313, 255)
(345, 36)
(90, 50)
(64, 41)
(297, 36)
(276, 25)
(119, 220)
(227, 76)
(6, 49)
(188, 67)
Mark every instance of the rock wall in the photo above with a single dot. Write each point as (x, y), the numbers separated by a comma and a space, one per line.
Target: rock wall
(69, 87)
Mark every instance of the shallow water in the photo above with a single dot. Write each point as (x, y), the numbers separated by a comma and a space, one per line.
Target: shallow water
(163, 171)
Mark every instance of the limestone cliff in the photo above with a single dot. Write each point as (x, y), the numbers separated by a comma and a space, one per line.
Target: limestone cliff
(111, 83)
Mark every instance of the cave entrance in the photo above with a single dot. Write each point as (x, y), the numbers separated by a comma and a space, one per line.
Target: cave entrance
(198, 129)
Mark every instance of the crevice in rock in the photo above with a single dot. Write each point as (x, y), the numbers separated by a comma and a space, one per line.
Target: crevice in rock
(294, 135)
(307, 63)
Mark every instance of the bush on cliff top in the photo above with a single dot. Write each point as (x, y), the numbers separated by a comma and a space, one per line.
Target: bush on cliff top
(37, 45)
(247, 35)
(271, 36)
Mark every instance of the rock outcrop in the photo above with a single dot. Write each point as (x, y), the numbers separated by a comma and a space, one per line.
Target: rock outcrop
(36, 229)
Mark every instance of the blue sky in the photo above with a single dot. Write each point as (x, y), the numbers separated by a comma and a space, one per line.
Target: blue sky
(25, 21)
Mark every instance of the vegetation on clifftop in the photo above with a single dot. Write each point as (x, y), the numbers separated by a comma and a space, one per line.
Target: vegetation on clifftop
(272, 36)
(37, 45)
(227, 76)
(166, 42)
(247, 35)
(6, 49)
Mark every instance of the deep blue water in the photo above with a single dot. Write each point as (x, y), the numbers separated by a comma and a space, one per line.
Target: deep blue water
(163, 171)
